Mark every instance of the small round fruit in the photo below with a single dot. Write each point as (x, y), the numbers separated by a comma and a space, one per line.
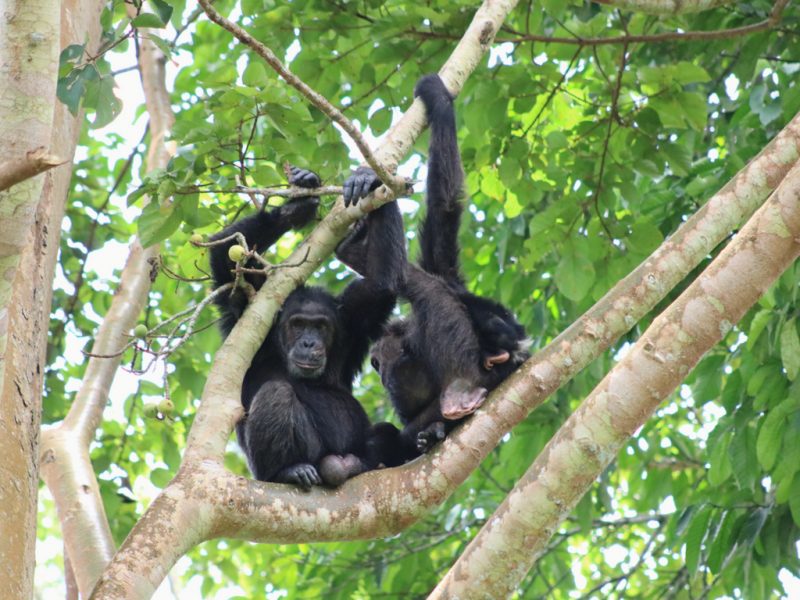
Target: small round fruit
(166, 406)
(140, 331)
(150, 410)
(196, 238)
(236, 253)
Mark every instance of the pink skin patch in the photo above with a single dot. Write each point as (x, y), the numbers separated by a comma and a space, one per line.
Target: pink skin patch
(461, 399)
(496, 359)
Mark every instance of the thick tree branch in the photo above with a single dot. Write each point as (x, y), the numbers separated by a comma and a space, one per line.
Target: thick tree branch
(516, 535)
(30, 164)
(66, 465)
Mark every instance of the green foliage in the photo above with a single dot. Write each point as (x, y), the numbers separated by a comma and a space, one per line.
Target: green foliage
(567, 192)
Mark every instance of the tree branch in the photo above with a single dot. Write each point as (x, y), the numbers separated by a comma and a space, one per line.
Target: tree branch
(515, 536)
(770, 22)
(317, 99)
(665, 7)
(383, 505)
(27, 165)
(206, 501)
(66, 465)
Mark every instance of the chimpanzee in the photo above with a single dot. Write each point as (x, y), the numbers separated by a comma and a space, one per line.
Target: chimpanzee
(302, 424)
(439, 363)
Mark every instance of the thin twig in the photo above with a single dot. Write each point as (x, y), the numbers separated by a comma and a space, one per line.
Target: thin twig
(668, 36)
(313, 96)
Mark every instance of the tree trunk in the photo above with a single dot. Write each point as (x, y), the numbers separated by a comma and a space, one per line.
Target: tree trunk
(29, 46)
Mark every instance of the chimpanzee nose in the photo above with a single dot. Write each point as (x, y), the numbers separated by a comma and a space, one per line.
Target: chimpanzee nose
(307, 344)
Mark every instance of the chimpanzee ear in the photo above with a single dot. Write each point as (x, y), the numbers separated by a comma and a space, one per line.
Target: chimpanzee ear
(495, 359)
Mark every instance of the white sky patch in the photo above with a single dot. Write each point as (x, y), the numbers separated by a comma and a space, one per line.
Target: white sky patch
(501, 54)
(732, 86)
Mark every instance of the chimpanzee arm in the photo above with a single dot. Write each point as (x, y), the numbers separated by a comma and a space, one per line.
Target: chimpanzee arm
(366, 304)
(260, 230)
(439, 232)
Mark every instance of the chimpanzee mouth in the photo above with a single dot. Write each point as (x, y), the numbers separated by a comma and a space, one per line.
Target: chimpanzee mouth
(307, 369)
(308, 366)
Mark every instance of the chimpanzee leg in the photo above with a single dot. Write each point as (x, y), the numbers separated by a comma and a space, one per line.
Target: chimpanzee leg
(281, 443)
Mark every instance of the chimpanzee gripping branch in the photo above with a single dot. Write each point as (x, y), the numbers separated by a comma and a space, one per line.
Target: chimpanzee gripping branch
(205, 501)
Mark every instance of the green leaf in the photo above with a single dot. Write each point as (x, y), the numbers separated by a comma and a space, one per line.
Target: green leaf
(163, 10)
(769, 441)
(160, 477)
(794, 500)
(71, 88)
(679, 157)
(71, 54)
(380, 121)
(694, 109)
(255, 74)
(757, 325)
(148, 20)
(721, 468)
(695, 536)
(790, 349)
(157, 223)
(575, 275)
(742, 458)
(669, 111)
(686, 72)
(723, 543)
(557, 140)
(752, 526)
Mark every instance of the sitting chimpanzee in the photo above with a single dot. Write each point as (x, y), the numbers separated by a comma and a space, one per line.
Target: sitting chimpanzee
(302, 423)
(438, 364)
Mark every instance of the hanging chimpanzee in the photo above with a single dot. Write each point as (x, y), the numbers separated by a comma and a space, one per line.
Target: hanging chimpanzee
(439, 363)
(302, 424)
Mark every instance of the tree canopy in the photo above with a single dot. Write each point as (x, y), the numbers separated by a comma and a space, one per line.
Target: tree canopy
(589, 134)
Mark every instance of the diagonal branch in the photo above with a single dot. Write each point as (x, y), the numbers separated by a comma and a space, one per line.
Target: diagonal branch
(66, 465)
(516, 535)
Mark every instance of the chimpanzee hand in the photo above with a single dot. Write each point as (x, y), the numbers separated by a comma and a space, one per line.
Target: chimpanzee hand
(303, 178)
(303, 474)
(300, 210)
(359, 185)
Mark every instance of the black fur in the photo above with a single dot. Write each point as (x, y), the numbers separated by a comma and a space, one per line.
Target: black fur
(297, 391)
(456, 346)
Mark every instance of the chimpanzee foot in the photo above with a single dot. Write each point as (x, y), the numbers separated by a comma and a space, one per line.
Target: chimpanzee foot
(461, 398)
(302, 474)
(336, 469)
(428, 437)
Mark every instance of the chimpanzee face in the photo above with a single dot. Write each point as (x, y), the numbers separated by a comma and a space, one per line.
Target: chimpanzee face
(307, 335)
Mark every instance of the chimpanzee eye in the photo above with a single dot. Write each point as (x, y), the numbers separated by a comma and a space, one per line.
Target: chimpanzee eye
(375, 364)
